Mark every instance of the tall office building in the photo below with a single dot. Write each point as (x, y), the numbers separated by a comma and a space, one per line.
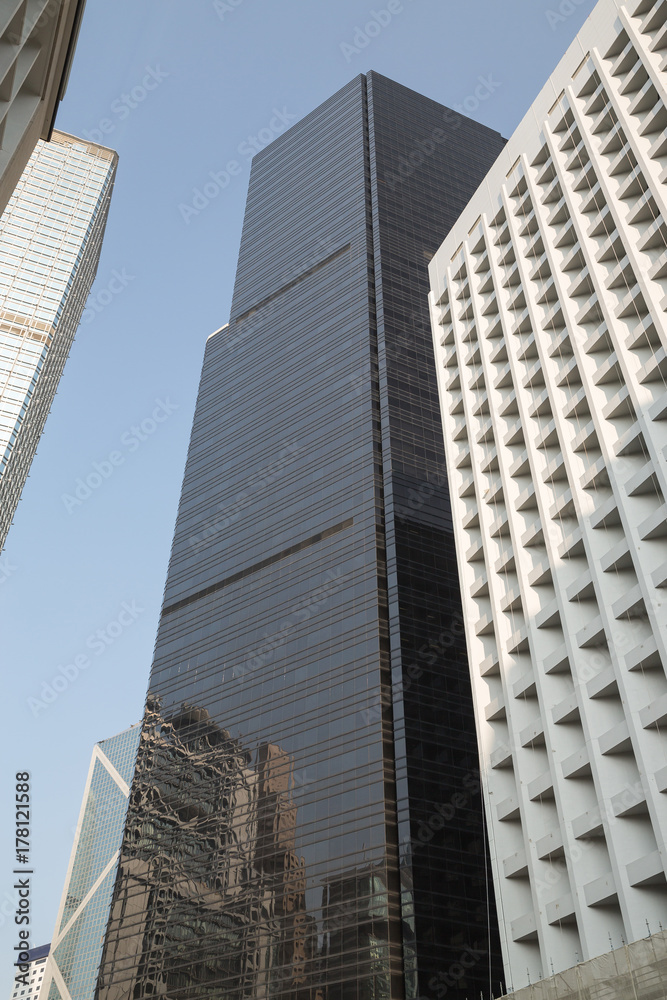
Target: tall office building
(50, 242)
(71, 971)
(305, 821)
(29, 984)
(37, 42)
(548, 312)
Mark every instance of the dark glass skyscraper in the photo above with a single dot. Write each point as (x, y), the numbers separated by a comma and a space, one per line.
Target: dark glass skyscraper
(304, 821)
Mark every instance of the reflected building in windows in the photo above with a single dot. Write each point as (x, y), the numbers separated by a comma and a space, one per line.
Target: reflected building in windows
(76, 948)
(50, 243)
(312, 609)
(209, 882)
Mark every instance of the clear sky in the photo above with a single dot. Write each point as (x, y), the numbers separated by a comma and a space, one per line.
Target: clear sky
(182, 89)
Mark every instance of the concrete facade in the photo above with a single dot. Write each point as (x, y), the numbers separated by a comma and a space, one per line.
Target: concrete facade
(548, 315)
(37, 41)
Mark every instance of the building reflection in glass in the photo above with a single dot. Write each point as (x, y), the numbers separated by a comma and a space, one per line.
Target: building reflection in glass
(210, 897)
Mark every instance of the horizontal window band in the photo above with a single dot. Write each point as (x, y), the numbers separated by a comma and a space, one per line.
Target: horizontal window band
(295, 281)
(256, 567)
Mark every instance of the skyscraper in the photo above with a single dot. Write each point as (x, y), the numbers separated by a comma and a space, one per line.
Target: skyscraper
(50, 242)
(37, 40)
(305, 821)
(71, 971)
(548, 309)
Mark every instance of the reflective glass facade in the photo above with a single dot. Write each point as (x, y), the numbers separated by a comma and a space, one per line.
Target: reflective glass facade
(304, 820)
(71, 971)
(50, 242)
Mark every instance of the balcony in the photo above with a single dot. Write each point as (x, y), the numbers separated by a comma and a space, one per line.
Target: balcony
(630, 605)
(566, 710)
(516, 866)
(524, 928)
(616, 740)
(654, 716)
(577, 765)
(592, 634)
(541, 787)
(655, 369)
(508, 809)
(617, 558)
(648, 870)
(572, 545)
(596, 476)
(654, 526)
(586, 438)
(644, 656)
(490, 665)
(518, 641)
(601, 891)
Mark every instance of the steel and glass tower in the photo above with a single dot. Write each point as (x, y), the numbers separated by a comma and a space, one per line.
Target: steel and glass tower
(71, 970)
(305, 820)
(50, 242)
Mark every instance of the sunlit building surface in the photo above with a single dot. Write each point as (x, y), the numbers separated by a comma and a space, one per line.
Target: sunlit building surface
(50, 242)
(548, 309)
(29, 984)
(306, 821)
(71, 971)
(37, 43)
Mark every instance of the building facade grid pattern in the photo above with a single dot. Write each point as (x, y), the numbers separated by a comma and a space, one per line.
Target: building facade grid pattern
(50, 242)
(73, 964)
(548, 316)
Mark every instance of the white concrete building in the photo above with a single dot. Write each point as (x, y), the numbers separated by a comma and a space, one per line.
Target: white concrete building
(548, 310)
(37, 42)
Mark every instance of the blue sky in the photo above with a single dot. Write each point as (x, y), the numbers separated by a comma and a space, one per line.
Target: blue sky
(183, 91)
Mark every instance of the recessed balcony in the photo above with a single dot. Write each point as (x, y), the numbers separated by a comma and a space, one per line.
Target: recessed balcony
(541, 787)
(655, 526)
(616, 740)
(601, 891)
(592, 634)
(577, 765)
